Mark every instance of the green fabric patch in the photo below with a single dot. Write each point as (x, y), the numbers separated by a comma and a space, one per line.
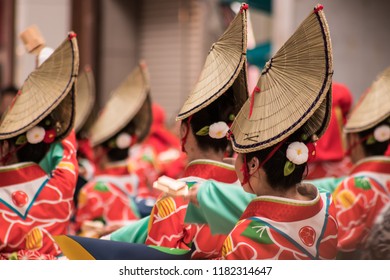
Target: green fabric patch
(133, 233)
(172, 251)
(221, 205)
(361, 182)
(190, 184)
(101, 187)
(133, 206)
(257, 231)
(52, 158)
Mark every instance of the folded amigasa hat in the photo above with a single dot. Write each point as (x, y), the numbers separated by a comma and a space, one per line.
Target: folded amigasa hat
(373, 107)
(293, 91)
(85, 98)
(129, 102)
(48, 90)
(225, 68)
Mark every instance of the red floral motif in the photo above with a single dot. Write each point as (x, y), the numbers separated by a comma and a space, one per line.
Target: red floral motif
(312, 151)
(50, 135)
(307, 235)
(19, 198)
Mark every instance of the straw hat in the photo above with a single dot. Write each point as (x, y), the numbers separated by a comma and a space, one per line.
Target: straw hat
(225, 66)
(294, 88)
(373, 107)
(32, 39)
(46, 91)
(129, 102)
(85, 97)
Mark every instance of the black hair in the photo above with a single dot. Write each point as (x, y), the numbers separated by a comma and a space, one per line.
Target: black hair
(374, 148)
(34, 152)
(222, 109)
(274, 167)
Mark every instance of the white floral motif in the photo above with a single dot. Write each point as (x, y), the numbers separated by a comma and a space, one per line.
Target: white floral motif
(35, 135)
(297, 153)
(218, 130)
(123, 141)
(382, 133)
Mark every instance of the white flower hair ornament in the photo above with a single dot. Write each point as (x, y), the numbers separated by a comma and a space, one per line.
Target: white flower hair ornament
(297, 153)
(123, 140)
(35, 135)
(382, 133)
(217, 130)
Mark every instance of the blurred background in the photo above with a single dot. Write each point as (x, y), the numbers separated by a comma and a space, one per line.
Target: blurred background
(174, 37)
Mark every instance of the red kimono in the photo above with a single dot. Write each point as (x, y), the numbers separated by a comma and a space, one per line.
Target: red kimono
(330, 159)
(359, 199)
(326, 169)
(35, 206)
(167, 227)
(109, 197)
(281, 228)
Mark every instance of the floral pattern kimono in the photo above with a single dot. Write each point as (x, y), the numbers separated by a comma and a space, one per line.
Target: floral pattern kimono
(36, 205)
(281, 228)
(109, 197)
(167, 226)
(359, 199)
(326, 169)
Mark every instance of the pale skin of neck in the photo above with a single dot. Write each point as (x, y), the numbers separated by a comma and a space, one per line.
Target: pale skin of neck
(357, 152)
(101, 154)
(193, 150)
(5, 148)
(260, 185)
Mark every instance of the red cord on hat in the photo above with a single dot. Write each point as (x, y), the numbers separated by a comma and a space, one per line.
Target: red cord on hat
(4, 159)
(244, 7)
(354, 145)
(244, 168)
(72, 35)
(318, 8)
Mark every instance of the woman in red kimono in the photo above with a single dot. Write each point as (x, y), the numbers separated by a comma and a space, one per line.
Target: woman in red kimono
(204, 122)
(330, 160)
(273, 135)
(158, 155)
(38, 168)
(361, 196)
(108, 200)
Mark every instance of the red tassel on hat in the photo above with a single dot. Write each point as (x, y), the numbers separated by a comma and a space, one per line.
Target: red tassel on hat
(318, 8)
(244, 7)
(257, 89)
(72, 35)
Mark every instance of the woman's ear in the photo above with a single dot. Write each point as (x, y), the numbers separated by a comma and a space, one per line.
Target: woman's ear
(253, 165)
(183, 129)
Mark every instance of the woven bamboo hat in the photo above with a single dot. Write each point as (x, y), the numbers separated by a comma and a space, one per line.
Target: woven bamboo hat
(85, 97)
(373, 107)
(294, 89)
(47, 90)
(225, 67)
(129, 102)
